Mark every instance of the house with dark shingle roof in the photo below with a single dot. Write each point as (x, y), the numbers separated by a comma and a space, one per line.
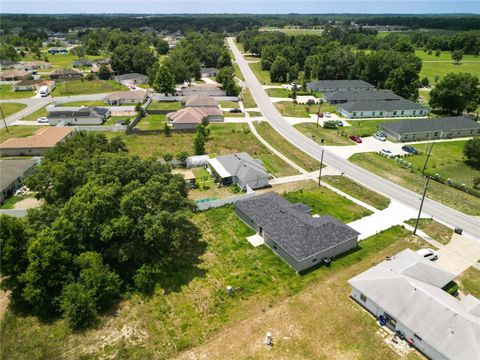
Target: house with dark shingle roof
(298, 238)
(77, 115)
(12, 174)
(428, 129)
(339, 85)
(340, 97)
(66, 74)
(381, 109)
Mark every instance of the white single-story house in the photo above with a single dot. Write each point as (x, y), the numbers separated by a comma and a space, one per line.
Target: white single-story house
(405, 292)
(339, 85)
(240, 169)
(133, 78)
(381, 109)
(340, 97)
(33, 85)
(77, 115)
(126, 97)
(301, 240)
(203, 89)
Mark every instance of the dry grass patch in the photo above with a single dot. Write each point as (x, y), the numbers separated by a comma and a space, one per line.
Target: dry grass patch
(439, 232)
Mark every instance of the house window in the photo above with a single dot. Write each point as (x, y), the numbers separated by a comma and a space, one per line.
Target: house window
(354, 113)
(275, 246)
(436, 133)
(361, 114)
(394, 113)
(402, 112)
(381, 112)
(414, 111)
(363, 298)
(373, 113)
(314, 259)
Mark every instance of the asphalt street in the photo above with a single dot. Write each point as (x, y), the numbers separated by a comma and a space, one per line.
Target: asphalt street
(451, 217)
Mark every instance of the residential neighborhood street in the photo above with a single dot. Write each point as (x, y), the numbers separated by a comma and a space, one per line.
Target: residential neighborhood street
(453, 218)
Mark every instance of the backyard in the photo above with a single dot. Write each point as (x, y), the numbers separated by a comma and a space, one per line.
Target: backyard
(10, 108)
(281, 144)
(413, 180)
(228, 104)
(165, 105)
(192, 308)
(17, 131)
(6, 92)
(79, 87)
(469, 282)
(152, 122)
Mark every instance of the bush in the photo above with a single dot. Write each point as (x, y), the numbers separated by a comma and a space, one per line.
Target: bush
(78, 306)
(330, 124)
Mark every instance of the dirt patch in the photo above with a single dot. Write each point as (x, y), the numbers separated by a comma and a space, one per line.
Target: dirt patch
(27, 203)
(4, 302)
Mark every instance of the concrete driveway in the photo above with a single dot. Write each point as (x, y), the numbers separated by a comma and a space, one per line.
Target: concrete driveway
(369, 144)
(460, 253)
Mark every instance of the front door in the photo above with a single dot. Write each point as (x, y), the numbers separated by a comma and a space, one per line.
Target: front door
(260, 231)
(390, 322)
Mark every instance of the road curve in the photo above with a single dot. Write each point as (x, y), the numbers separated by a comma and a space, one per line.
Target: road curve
(470, 224)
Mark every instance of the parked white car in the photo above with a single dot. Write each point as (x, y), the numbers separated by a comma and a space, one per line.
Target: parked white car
(42, 120)
(380, 136)
(386, 153)
(428, 254)
(327, 114)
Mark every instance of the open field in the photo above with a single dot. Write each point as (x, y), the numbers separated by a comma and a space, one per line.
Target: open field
(330, 136)
(469, 282)
(262, 75)
(165, 105)
(224, 139)
(412, 179)
(194, 309)
(279, 93)
(152, 122)
(358, 191)
(324, 201)
(61, 60)
(440, 69)
(6, 92)
(289, 109)
(445, 56)
(278, 142)
(434, 229)
(11, 108)
(79, 87)
(17, 131)
(247, 98)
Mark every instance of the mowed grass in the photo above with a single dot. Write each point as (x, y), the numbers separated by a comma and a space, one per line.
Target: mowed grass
(469, 282)
(84, 103)
(440, 69)
(61, 60)
(152, 122)
(228, 104)
(79, 87)
(289, 109)
(324, 201)
(439, 232)
(165, 105)
(247, 98)
(17, 131)
(238, 72)
(11, 108)
(279, 143)
(278, 92)
(169, 322)
(358, 191)
(330, 136)
(36, 114)
(6, 92)
(413, 180)
(224, 139)
(262, 75)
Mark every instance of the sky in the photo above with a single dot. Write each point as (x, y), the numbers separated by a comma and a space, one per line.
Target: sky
(240, 6)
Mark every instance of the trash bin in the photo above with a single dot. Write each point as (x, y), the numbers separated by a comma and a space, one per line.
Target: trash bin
(458, 230)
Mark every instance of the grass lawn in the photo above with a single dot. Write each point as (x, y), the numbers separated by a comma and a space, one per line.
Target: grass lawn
(254, 113)
(324, 201)
(238, 73)
(6, 92)
(330, 136)
(37, 114)
(412, 179)
(230, 114)
(11, 108)
(228, 104)
(17, 131)
(289, 109)
(358, 191)
(425, 94)
(165, 105)
(239, 45)
(447, 159)
(470, 282)
(262, 75)
(12, 200)
(278, 93)
(61, 60)
(439, 232)
(224, 139)
(86, 103)
(112, 120)
(286, 148)
(152, 122)
(247, 98)
(194, 308)
(440, 69)
(208, 188)
(78, 87)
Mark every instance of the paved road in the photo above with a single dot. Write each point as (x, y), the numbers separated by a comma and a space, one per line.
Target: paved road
(471, 225)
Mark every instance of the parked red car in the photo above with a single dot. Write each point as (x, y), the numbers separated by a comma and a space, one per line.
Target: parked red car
(357, 139)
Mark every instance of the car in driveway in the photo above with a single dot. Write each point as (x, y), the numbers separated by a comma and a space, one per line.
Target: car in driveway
(410, 149)
(327, 114)
(385, 152)
(235, 111)
(380, 136)
(428, 253)
(42, 120)
(357, 139)
(339, 123)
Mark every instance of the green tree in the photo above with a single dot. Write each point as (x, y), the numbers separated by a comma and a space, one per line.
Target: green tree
(455, 93)
(457, 56)
(161, 46)
(104, 72)
(279, 70)
(199, 144)
(166, 130)
(182, 156)
(78, 306)
(404, 81)
(164, 81)
(471, 151)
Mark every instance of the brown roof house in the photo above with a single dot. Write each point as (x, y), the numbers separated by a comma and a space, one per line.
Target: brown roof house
(126, 97)
(33, 85)
(36, 144)
(32, 65)
(9, 75)
(201, 101)
(203, 89)
(66, 74)
(188, 118)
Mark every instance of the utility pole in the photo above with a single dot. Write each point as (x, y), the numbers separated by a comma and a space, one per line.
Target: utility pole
(318, 113)
(4, 121)
(320, 172)
(428, 157)
(421, 205)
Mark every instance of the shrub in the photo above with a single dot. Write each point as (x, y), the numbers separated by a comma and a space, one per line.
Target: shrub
(330, 124)
(451, 288)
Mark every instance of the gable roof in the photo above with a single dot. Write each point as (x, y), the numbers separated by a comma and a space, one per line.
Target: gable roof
(408, 287)
(131, 76)
(241, 165)
(10, 170)
(118, 95)
(14, 73)
(340, 84)
(381, 105)
(43, 138)
(34, 82)
(445, 124)
(288, 225)
(200, 101)
(67, 71)
(192, 115)
(76, 111)
(344, 95)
